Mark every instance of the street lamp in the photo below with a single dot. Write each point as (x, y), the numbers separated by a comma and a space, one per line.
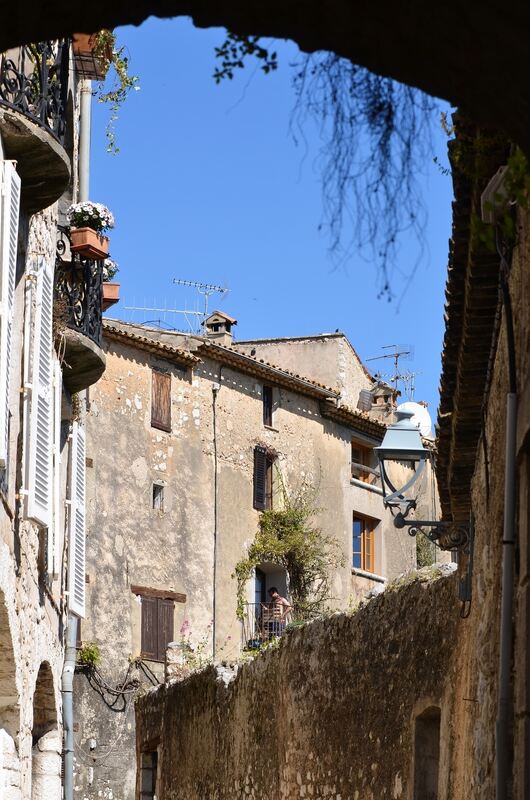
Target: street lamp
(403, 443)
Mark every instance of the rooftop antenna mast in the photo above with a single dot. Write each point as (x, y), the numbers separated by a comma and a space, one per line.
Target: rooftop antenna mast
(206, 289)
(408, 378)
(193, 318)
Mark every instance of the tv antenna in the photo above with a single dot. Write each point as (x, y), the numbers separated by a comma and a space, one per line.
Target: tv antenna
(408, 378)
(194, 318)
(206, 289)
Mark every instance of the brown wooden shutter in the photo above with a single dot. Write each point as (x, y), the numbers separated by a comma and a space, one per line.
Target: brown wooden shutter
(149, 627)
(161, 401)
(165, 626)
(260, 478)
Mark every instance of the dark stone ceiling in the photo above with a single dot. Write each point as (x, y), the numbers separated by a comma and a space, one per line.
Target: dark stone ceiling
(474, 54)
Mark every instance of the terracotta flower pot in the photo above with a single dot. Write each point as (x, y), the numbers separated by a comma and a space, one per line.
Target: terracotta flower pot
(86, 63)
(111, 295)
(89, 243)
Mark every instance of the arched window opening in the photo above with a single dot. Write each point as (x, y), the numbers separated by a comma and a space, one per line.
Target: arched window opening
(427, 754)
(46, 753)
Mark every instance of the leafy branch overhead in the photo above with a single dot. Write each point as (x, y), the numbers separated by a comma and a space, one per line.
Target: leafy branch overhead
(376, 140)
(233, 52)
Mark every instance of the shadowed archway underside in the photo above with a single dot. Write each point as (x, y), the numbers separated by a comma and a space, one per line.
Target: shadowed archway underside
(473, 54)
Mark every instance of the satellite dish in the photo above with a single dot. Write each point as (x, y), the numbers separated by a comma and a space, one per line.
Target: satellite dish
(421, 417)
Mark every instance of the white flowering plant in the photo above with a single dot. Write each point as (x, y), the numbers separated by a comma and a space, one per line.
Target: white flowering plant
(90, 215)
(110, 269)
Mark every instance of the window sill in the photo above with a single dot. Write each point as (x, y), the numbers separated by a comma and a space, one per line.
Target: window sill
(364, 485)
(371, 576)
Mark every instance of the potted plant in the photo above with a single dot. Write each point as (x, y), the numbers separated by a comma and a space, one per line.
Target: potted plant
(93, 54)
(111, 290)
(88, 221)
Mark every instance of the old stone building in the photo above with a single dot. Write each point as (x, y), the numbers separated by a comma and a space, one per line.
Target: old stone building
(200, 434)
(435, 704)
(50, 324)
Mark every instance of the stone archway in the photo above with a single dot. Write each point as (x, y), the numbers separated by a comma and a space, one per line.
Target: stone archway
(46, 752)
(469, 54)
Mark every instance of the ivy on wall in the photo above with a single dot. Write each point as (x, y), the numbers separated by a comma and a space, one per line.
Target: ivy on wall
(287, 537)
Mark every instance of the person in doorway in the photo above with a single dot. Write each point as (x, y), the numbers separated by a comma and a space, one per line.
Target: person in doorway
(279, 609)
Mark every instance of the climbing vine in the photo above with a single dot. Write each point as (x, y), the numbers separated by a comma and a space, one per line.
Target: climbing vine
(287, 537)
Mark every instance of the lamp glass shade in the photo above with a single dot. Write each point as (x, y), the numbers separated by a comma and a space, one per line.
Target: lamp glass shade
(402, 441)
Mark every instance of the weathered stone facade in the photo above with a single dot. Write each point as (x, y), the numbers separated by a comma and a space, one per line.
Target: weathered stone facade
(330, 713)
(34, 480)
(205, 464)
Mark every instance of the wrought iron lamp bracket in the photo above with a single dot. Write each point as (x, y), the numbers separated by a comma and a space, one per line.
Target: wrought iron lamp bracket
(446, 535)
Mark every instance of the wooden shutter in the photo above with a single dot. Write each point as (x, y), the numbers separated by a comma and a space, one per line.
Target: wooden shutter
(260, 478)
(149, 627)
(55, 534)
(77, 532)
(165, 626)
(9, 214)
(161, 401)
(41, 405)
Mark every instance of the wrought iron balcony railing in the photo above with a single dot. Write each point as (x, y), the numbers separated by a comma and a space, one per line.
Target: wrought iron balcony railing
(34, 81)
(78, 290)
(262, 622)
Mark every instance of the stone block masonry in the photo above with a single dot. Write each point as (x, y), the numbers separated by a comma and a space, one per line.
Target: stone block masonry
(329, 713)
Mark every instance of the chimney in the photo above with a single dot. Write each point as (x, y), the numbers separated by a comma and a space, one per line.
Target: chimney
(218, 328)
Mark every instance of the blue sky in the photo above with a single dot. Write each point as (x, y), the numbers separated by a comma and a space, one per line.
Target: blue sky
(209, 186)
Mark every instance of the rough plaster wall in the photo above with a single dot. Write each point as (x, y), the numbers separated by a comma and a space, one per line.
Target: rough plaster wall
(330, 360)
(328, 714)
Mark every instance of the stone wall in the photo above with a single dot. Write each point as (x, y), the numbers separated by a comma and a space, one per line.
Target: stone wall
(329, 713)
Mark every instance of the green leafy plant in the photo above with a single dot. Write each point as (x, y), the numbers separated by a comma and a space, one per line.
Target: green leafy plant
(235, 49)
(115, 60)
(286, 537)
(89, 655)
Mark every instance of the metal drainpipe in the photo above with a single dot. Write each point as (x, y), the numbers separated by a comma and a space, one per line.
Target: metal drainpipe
(215, 392)
(502, 726)
(68, 706)
(85, 108)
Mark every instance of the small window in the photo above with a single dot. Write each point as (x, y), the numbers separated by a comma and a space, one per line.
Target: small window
(149, 765)
(363, 541)
(161, 400)
(158, 497)
(157, 626)
(267, 406)
(361, 458)
(263, 462)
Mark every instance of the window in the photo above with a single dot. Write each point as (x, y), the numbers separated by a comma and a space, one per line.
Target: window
(148, 767)
(157, 626)
(361, 456)
(161, 400)
(263, 462)
(363, 539)
(158, 497)
(157, 619)
(267, 406)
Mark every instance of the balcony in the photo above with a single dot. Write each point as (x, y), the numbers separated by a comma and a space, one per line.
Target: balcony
(33, 119)
(261, 623)
(78, 315)
(370, 476)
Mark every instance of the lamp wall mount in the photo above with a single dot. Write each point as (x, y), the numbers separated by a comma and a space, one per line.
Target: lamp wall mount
(446, 535)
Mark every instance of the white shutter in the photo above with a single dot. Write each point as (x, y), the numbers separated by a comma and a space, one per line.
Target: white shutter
(76, 543)
(41, 406)
(55, 532)
(9, 213)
